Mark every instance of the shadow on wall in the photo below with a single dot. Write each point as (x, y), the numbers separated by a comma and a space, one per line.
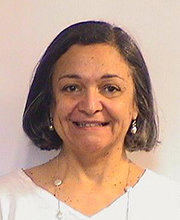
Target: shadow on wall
(146, 159)
(34, 156)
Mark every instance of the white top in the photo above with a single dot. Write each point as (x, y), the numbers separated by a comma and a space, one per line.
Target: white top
(152, 198)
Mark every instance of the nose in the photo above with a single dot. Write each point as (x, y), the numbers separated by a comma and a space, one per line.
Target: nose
(90, 103)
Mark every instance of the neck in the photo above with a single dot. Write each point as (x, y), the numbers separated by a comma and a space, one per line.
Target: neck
(111, 166)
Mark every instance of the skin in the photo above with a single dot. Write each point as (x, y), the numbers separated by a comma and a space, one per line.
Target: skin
(91, 85)
(92, 72)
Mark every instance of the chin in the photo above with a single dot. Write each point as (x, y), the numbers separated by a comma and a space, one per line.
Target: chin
(92, 146)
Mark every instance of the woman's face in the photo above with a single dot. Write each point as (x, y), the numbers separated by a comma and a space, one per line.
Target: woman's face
(94, 98)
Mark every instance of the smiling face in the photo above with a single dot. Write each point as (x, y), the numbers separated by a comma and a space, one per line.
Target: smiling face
(94, 98)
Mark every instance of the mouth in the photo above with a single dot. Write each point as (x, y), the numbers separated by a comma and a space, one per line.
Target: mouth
(90, 124)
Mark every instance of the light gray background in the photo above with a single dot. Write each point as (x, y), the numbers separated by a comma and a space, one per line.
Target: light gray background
(26, 29)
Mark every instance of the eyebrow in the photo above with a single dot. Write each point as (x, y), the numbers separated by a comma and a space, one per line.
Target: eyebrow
(107, 76)
(70, 76)
(75, 76)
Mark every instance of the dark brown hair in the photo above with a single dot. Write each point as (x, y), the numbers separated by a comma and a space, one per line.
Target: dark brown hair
(37, 109)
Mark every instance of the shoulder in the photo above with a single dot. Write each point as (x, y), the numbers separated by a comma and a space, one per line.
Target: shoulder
(11, 190)
(157, 195)
(159, 182)
(158, 189)
(9, 179)
(154, 185)
(13, 184)
(19, 196)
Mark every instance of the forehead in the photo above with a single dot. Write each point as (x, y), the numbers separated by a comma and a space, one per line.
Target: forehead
(92, 60)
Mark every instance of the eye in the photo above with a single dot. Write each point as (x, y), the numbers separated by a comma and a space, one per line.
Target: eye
(71, 88)
(111, 88)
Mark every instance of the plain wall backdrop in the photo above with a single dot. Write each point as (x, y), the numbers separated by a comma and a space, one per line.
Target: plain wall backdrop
(26, 29)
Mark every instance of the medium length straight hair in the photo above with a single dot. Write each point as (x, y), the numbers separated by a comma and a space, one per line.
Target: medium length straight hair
(36, 117)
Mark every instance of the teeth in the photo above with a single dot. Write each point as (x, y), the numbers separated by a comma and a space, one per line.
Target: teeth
(84, 124)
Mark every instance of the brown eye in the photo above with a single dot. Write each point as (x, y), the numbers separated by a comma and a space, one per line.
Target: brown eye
(71, 88)
(111, 89)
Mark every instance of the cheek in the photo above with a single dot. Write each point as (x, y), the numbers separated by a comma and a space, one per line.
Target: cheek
(62, 111)
(63, 108)
(120, 110)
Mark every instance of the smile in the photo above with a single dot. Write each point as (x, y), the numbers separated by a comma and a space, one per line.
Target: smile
(90, 124)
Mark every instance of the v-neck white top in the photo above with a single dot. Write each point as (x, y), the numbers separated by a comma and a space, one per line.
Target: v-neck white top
(153, 198)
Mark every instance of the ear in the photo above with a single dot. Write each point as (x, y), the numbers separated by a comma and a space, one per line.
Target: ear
(52, 108)
(135, 111)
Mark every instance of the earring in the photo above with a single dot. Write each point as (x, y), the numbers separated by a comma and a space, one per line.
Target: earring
(134, 128)
(51, 127)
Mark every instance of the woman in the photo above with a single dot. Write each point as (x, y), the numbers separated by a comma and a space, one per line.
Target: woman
(90, 97)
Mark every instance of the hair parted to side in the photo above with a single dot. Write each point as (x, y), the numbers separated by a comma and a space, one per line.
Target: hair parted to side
(40, 98)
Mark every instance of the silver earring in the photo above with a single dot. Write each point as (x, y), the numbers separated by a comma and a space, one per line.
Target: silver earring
(134, 128)
(51, 127)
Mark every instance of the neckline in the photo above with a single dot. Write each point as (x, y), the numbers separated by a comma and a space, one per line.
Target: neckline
(53, 201)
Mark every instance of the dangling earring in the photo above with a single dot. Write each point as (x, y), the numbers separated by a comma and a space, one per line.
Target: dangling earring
(134, 128)
(51, 127)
